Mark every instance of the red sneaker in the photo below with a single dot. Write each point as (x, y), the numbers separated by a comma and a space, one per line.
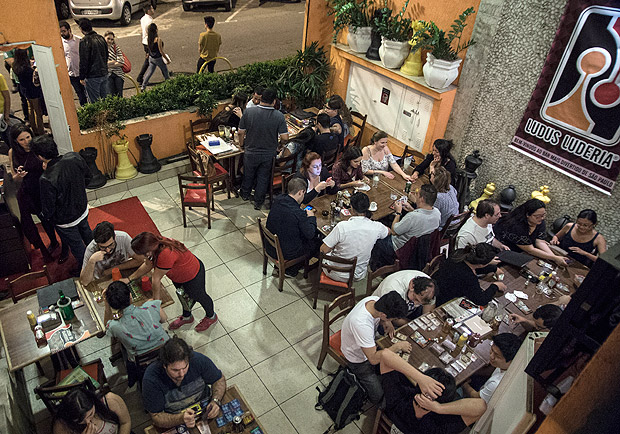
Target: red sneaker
(180, 321)
(205, 323)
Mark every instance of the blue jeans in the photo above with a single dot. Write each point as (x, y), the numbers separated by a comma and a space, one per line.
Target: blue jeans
(155, 62)
(256, 171)
(97, 88)
(77, 238)
(115, 84)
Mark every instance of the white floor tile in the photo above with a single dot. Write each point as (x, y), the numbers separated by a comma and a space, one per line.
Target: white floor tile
(252, 234)
(221, 282)
(167, 219)
(244, 215)
(300, 411)
(220, 224)
(198, 339)
(254, 392)
(237, 309)
(276, 422)
(147, 189)
(285, 375)
(226, 356)
(309, 350)
(207, 255)
(188, 236)
(170, 182)
(259, 340)
(248, 269)
(156, 200)
(114, 197)
(265, 293)
(231, 246)
(296, 321)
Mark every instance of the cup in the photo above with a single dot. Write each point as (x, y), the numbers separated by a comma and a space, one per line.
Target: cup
(373, 206)
(406, 163)
(146, 284)
(222, 130)
(375, 180)
(116, 274)
(66, 310)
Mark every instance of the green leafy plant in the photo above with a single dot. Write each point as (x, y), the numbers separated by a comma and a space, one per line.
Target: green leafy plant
(393, 27)
(351, 13)
(205, 90)
(441, 45)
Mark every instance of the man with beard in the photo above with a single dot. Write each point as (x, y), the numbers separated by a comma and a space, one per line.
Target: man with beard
(71, 45)
(108, 249)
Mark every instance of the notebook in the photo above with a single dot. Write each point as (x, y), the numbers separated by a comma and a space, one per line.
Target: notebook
(514, 258)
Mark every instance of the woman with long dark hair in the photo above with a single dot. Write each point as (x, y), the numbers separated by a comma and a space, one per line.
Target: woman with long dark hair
(378, 159)
(318, 177)
(168, 257)
(524, 230)
(581, 239)
(30, 89)
(156, 55)
(347, 171)
(82, 411)
(27, 169)
(457, 277)
(116, 61)
(440, 157)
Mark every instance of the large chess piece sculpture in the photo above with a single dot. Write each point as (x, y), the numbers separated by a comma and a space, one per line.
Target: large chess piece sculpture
(148, 162)
(124, 168)
(97, 179)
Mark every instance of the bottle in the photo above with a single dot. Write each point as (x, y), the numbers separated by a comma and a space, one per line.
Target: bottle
(408, 185)
(235, 136)
(186, 302)
(462, 340)
(39, 336)
(64, 306)
(31, 318)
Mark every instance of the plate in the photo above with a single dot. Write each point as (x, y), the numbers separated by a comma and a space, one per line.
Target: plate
(365, 187)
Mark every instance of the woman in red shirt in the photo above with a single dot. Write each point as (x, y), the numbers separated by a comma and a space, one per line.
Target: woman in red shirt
(168, 257)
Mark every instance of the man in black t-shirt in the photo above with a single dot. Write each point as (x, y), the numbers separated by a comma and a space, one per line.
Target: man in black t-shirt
(413, 412)
(325, 140)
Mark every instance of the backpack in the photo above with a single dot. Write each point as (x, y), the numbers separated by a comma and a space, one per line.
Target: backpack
(342, 399)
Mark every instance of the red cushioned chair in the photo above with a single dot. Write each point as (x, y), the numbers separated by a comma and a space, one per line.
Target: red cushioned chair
(335, 263)
(331, 343)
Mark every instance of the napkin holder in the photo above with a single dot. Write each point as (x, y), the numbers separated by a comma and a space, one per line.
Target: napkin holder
(49, 321)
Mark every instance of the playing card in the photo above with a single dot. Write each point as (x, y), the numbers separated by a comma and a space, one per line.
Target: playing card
(457, 367)
(446, 358)
(405, 356)
(394, 340)
(452, 371)
(423, 367)
(401, 336)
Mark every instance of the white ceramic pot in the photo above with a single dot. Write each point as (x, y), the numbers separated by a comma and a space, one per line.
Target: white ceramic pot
(440, 74)
(393, 53)
(359, 39)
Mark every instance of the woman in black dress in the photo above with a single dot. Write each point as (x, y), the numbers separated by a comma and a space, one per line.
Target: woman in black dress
(524, 230)
(440, 157)
(26, 169)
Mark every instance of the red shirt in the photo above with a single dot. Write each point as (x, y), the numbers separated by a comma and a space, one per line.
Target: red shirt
(182, 266)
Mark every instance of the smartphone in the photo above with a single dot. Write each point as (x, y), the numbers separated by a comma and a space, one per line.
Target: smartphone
(309, 208)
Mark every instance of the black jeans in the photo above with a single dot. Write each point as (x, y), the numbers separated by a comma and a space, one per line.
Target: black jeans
(115, 84)
(145, 65)
(368, 377)
(77, 238)
(256, 171)
(79, 90)
(210, 65)
(196, 290)
(27, 208)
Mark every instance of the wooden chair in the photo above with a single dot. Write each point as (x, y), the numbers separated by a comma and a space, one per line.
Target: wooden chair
(12, 285)
(339, 264)
(331, 343)
(359, 121)
(198, 190)
(278, 166)
(413, 256)
(329, 158)
(451, 229)
(432, 267)
(269, 239)
(285, 180)
(418, 157)
(198, 127)
(51, 394)
(383, 424)
(380, 272)
(143, 361)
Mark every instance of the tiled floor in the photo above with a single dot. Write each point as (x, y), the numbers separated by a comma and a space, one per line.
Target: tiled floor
(267, 342)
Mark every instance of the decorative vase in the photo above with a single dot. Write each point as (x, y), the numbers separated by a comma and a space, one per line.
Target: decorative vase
(413, 64)
(375, 42)
(440, 74)
(124, 168)
(97, 179)
(393, 53)
(359, 39)
(148, 163)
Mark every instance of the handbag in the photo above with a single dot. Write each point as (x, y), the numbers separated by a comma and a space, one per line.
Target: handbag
(126, 64)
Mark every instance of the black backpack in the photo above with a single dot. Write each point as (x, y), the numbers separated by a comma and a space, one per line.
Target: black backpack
(342, 399)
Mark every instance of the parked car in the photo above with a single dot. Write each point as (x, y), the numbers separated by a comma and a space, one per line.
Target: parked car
(62, 9)
(108, 9)
(228, 4)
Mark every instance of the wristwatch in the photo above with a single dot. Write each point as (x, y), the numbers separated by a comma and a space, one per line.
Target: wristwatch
(217, 401)
(398, 213)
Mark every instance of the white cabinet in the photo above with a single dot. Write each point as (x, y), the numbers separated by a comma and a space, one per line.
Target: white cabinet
(400, 111)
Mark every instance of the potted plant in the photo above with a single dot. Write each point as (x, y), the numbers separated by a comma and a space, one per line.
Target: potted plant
(110, 128)
(395, 31)
(442, 60)
(356, 15)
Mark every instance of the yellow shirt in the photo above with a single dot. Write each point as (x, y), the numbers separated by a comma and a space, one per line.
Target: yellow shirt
(209, 43)
(3, 87)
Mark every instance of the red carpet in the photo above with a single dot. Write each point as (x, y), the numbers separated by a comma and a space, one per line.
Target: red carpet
(126, 215)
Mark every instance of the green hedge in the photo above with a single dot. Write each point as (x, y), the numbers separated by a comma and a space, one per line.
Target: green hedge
(204, 90)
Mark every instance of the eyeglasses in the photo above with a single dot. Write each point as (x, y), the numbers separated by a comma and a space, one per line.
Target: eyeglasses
(109, 247)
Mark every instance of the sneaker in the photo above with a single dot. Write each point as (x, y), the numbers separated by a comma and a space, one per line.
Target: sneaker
(181, 321)
(205, 323)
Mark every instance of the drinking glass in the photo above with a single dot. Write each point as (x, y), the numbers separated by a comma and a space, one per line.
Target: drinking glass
(375, 180)
(222, 130)
(406, 163)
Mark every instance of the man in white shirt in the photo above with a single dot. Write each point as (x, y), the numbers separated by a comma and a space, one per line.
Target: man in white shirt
(71, 45)
(108, 249)
(415, 287)
(145, 22)
(479, 228)
(420, 221)
(358, 338)
(504, 349)
(354, 238)
(255, 100)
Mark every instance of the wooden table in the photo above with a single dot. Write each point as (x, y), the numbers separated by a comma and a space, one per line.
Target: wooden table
(17, 336)
(514, 281)
(227, 159)
(232, 392)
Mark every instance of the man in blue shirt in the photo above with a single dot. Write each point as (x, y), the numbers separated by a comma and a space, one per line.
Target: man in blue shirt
(179, 379)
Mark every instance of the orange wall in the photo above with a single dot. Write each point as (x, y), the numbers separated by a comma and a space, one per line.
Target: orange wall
(35, 20)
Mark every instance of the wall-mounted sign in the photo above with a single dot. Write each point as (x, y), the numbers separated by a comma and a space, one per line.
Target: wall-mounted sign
(385, 96)
(572, 122)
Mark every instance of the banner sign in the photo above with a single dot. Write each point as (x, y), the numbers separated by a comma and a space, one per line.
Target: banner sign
(572, 122)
